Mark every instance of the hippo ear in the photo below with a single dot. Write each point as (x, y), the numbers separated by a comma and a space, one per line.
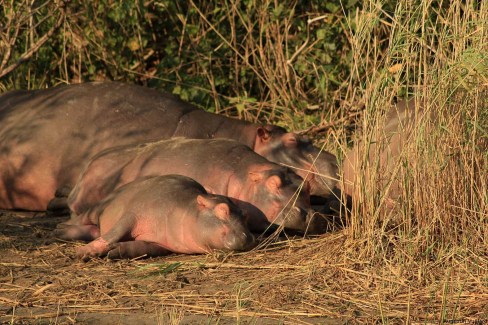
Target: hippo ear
(203, 202)
(222, 211)
(273, 184)
(263, 134)
(289, 140)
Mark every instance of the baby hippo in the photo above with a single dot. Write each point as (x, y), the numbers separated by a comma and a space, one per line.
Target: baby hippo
(155, 216)
(267, 192)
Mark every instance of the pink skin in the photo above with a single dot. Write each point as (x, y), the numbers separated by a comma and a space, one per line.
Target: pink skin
(319, 168)
(266, 191)
(270, 141)
(271, 196)
(155, 216)
(49, 135)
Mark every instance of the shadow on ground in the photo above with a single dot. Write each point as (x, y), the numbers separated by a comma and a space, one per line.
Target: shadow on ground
(41, 281)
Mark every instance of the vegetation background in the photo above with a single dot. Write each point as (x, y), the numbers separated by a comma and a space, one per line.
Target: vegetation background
(323, 68)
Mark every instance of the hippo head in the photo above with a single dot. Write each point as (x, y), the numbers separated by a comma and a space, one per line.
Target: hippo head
(282, 196)
(222, 224)
(297, 152)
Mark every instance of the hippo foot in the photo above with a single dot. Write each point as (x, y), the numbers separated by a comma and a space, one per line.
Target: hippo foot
(97, 248)
(58, 207)
(134, 249)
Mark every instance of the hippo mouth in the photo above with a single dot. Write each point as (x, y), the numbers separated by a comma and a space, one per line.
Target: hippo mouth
(321, 174)
(292, 218)
(303, 221)
(322, 185)
(240, 242)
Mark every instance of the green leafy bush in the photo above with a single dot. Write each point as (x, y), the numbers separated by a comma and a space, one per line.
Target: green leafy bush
(292, 55)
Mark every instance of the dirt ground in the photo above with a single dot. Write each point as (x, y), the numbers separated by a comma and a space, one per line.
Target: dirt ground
(302, 281)
(41, 281)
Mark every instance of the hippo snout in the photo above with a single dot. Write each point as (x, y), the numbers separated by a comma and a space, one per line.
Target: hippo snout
(295, 218)
(240, 241)
(325, 175)
(306, 221)
(316, 223)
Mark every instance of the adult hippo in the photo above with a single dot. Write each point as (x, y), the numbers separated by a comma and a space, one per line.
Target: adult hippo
(49, 135)
(265, 191)
(383, 155)
(156, 216)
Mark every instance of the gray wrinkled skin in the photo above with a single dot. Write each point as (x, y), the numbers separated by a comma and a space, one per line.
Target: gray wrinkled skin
(49, 135)
(267, 192)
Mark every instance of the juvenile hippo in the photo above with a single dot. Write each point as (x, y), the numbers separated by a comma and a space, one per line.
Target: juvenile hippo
(47, 136)
(266, 191)
(155, 216)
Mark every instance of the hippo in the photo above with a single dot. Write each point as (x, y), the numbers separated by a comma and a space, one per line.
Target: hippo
(155, 216)
(49, 135)
(266, 191)
(385, 152)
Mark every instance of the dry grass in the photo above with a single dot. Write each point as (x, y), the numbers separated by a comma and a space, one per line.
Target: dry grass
(298, 281)
(423, 262)
(441, 167)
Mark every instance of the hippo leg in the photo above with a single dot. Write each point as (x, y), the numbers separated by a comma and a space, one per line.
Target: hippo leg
(98, 247)
(102, 245)
(77, 232)
(58, 207)
(133, 249)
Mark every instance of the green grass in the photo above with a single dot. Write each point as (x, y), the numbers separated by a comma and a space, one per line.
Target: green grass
(301, 66)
